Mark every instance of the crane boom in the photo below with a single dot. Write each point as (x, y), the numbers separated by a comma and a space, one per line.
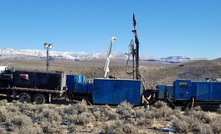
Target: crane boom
(106, 67)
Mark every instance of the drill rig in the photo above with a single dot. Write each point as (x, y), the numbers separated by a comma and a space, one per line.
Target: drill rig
(106, 67)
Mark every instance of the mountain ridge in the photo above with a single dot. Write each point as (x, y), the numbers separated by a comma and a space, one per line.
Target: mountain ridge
(78, 56)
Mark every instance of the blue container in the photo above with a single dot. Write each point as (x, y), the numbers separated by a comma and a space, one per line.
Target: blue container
(70, 82)
(206, 91)
(80, 78)
(83, 87)
(107, 91)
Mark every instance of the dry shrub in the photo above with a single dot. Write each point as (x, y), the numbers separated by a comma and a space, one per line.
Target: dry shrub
(21, 121)
(113, 127)
(29, 130)
(110, 115)
(53, 128)
(219, 109)
(197, 108)
(149, 114)
(46, 127)
(3, 102)
(38, 108)
(202, 128)
(160, 110)
(81, 106)
(142, 116)
(118, 127)
(106, 113)
(215, 126)
(51, 115)
(3, 131)
(97, 115)
(129, 128)
(206, 129)
(125, 109)
(71, 128)
(160, 104)
(38, 112)
(26, 108)
(189, 123)
(83, 118)
(183, 125)
(144, 122)
(139, 112)
(70, 110)
(66, 112)
(205, 117)
(12, 108)
(59, 130)
(4, 115)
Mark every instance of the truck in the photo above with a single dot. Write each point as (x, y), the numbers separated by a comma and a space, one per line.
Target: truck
(44, 86)
(32, 86)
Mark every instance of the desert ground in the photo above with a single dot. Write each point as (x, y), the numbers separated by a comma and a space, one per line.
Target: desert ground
(78, 117)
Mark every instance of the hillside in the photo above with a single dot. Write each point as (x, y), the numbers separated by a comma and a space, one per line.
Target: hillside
(195, 70)
(152, 73)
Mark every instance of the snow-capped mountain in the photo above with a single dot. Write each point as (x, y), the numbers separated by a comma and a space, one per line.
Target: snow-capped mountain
(175, 59)
(11, 53)
(179, 59)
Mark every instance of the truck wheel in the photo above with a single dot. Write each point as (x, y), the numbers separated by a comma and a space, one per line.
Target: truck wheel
(39, 98)
(25, 97)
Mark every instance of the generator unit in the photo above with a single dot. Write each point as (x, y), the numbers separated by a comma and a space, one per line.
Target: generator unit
(200, 91)
(187, 92)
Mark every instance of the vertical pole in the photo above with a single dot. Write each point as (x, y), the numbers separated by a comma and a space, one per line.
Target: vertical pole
(47, 58)
(47, 47)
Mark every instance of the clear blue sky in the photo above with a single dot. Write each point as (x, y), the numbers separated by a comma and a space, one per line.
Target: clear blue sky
(189, 28)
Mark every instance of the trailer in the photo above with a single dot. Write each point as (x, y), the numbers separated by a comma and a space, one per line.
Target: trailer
(188, 94)
(32, 86)
(104, 91)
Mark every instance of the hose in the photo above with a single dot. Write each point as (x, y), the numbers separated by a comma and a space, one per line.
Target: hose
(192, 104)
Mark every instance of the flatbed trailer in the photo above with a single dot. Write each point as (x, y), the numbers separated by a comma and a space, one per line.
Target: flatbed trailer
(38, 96)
